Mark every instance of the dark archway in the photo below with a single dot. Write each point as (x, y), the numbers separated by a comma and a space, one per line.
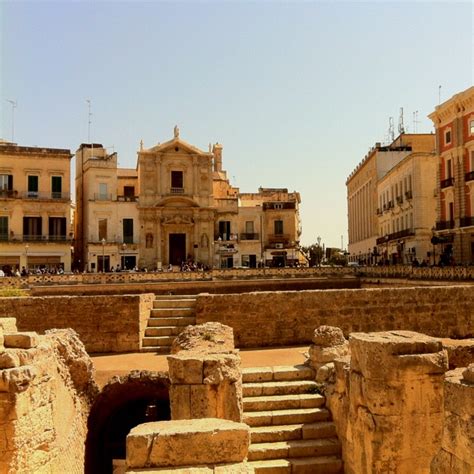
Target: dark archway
(123, 403)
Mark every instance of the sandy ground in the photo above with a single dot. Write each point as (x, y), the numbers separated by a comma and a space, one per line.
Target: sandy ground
(121, 364)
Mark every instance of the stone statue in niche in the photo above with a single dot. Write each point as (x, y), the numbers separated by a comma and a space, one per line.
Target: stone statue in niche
(204, 241)
(149, 240)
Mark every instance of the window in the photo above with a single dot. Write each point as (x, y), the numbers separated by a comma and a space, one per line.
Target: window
(57, 228)
(3, 228)
(32, 228)
(56, 187)
(177, 179)
(103, 188)
(249, 227)
(102, 224)
(224, 230)
(278, 206)
(449, 172)
(472, 161)
(6, 182)
(471, 127)
(129, 191)
(245, 260)
(278, 226)
(451, 211)
(32, 186)
(447, 137)
(128, 231)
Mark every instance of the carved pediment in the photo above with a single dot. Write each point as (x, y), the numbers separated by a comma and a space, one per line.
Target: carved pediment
(177, 219)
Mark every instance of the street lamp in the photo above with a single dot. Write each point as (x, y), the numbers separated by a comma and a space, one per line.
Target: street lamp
(26, 254)
(318, 238)
(103, 255)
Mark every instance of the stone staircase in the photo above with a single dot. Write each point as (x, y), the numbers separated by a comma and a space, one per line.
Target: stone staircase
(291, 430)
(169, 316)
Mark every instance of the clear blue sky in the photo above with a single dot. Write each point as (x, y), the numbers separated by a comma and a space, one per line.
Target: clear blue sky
(296, 92)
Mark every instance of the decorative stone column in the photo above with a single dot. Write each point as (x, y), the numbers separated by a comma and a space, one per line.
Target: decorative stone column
(395, 402)
(205, 374)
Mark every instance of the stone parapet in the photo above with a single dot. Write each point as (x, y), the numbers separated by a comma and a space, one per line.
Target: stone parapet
(201, 445)
(387, 401)
(457, 449)
(205, 374)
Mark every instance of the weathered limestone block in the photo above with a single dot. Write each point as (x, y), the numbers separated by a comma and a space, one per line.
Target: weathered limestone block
(8, 324)
(17, 379)
(21, 340)
(2, 339)
(460, 352)
(326, 373)
(468, 374)
(233, 468)
(395, 402)
(205, 374)
(9, 359)
(205, 338)
(187, 443)
(185, 368)
(328, 345)
(457, 448)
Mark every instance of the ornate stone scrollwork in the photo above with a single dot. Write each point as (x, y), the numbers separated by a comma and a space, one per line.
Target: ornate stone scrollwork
(177, 219)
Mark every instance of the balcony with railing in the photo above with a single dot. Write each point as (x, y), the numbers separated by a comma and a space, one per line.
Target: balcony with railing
(469, 176)
(249, 236)
(127, 198)
(446, 183)
(102, 197)
(443, 225)
(466, 222)
(395, 236)
(45, 196)
(223, 237)
(14, 238)
(176, 190)
(8, 194)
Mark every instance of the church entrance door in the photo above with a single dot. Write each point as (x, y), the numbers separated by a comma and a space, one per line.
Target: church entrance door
(177, 246)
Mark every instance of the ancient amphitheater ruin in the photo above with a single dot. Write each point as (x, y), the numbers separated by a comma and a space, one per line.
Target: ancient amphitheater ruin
(380, 380)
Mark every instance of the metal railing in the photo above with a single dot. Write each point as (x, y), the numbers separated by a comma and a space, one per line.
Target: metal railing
(442, 225)
(102, 197)
(466, 221)
(469, 176)
(8, 194)
(249, 236)
(177, 190)
(127, 198)
(395, 236)
(42, 196)
(446, 183)
(34, 238)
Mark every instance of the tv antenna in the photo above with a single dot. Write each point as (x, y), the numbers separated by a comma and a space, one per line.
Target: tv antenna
(401, 127)
(415, 121)
(14, 104)
(391, 130)
(89, 120)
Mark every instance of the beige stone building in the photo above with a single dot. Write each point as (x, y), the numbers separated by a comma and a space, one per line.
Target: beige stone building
(454, 124)
(177, 206)
(35, 207)
(106, 218)
(363, 201)
(407, 205)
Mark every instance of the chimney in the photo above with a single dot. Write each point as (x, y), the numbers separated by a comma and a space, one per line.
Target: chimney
(217, 151)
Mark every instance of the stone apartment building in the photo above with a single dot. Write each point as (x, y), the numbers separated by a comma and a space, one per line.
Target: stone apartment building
(35, 207)
(406, 203)
(369, 222)
(454, 125)
(106, 218)
(177, 205)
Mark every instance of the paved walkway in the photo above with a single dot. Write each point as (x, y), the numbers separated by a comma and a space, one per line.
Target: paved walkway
(121, 364)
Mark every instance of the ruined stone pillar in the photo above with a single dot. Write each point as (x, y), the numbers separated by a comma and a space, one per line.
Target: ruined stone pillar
(205, 374)
(395, 402)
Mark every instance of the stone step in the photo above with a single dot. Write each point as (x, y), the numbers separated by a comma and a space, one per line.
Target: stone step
(174, 321)
(171, 303)
(313, 465)
(286, 417)
(175, 297)
(258, 389)
(158, 341)
(156, 349)
(270, 434)
(170, 312)
(281, 402)
(277, 373)
(294, 449)
(163, 331)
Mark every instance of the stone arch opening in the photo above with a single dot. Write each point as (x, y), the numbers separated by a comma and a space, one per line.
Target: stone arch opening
(123, 403)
